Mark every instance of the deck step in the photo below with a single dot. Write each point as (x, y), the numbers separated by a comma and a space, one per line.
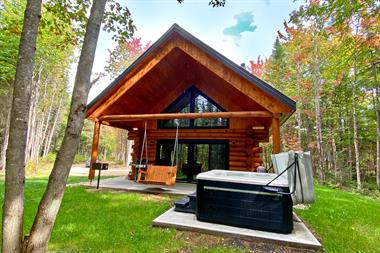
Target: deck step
(186, 204)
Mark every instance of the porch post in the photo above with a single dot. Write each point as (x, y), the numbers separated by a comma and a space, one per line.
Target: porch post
(94, 150)
(276, 139)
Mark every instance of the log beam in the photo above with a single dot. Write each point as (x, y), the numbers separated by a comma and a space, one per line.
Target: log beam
(94, 150)
(202, 115)
(276, 135)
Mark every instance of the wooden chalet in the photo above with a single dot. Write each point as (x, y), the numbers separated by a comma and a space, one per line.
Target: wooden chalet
(223, 111)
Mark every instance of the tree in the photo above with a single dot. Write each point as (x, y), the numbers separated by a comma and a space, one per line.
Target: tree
(13, 209)
(124, 54)
(15, 171)
(51, 201)
(256, 68)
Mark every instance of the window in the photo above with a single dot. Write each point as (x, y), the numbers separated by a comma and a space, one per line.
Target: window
(194, 101)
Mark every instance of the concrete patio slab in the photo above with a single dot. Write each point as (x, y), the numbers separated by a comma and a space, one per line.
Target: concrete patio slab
(121, 183)
(300, 236)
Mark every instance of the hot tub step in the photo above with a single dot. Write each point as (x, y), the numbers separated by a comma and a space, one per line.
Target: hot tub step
(186, 204)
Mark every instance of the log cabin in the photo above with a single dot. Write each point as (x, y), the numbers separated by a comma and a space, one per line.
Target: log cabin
(223, 111)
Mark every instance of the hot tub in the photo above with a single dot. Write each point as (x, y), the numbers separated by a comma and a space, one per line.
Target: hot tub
(239, 199)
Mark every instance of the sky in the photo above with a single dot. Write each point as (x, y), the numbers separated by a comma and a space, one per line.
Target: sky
(242, 30)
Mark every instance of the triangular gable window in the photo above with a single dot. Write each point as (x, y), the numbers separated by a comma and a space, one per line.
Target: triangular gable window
(194, 101)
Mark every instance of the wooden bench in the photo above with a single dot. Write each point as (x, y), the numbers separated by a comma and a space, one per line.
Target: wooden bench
(157, 174)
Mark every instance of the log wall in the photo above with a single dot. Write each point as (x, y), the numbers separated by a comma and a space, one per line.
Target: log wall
(244, 150)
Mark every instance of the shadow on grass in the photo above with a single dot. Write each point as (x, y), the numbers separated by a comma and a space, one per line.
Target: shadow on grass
(109, 222)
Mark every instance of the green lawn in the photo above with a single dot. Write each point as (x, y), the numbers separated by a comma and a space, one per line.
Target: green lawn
(109, 221)
(345, 221)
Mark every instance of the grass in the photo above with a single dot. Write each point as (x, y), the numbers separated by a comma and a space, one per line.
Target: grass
(111, 221)
(345, 221)
(105, 221)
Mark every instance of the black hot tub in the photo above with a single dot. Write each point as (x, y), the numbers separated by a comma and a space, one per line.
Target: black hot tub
(239, 199)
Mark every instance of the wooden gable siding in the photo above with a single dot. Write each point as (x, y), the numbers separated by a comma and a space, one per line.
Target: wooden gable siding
(216, 67)
(268, 102)
(161, 90)
(131, 79)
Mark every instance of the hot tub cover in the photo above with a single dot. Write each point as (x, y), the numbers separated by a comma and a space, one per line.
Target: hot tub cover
(281, 161)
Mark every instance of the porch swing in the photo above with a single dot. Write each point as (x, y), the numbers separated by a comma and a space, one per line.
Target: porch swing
(158, 174)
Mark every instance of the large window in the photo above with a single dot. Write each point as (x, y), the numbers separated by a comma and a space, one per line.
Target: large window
(194, 101)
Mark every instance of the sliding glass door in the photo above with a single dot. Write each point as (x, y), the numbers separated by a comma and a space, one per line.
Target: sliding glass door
(194, 156)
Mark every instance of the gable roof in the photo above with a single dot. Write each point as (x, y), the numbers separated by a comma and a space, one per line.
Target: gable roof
(176, 29)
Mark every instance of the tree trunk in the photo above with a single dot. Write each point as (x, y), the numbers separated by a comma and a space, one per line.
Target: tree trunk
(334, 156)
(45, 132)
(377, 111)
(299, 107)
(5, 143)
(356, 138)
(51, 201)
(377, 140)
(128, 148)
(32, 122)
(41, 122)
(50, 135)
(13, 209)
(350, 157)
(318, 120)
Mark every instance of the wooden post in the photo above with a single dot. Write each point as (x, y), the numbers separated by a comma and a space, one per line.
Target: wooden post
(276, 139)
(94, 150)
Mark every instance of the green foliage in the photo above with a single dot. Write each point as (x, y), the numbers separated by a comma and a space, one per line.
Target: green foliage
(50, 157)
(323, 41)
(117, 19)
(80, 158)
(109, 142)
(84, 148)
(11, 16)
